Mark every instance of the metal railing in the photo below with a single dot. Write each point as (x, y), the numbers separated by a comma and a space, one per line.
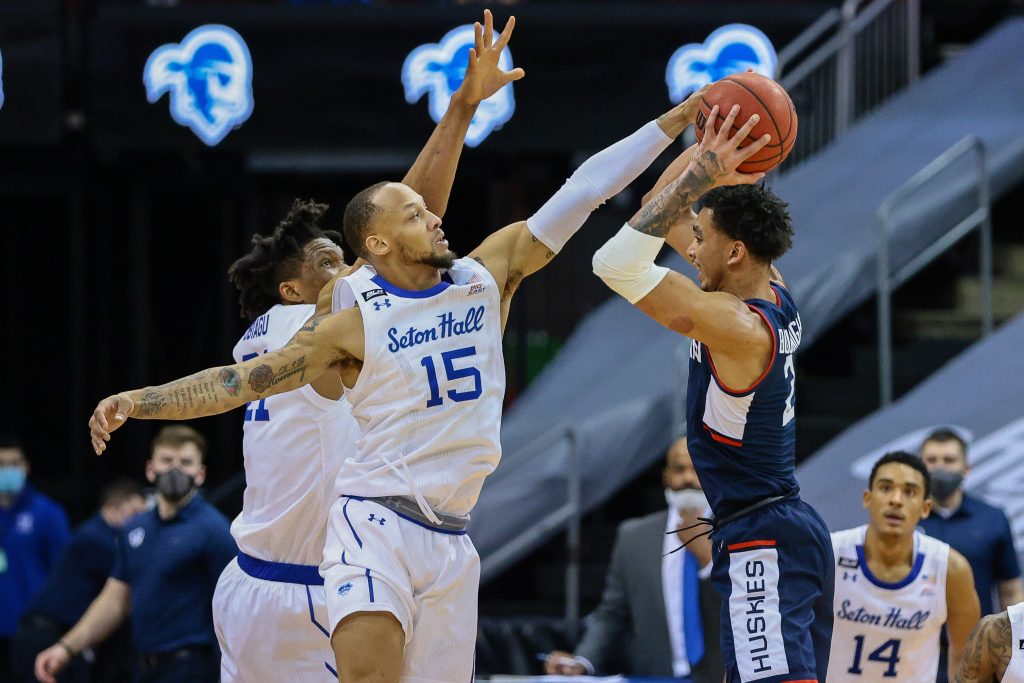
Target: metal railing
(845, 64)
(568, 515)
(980, 218)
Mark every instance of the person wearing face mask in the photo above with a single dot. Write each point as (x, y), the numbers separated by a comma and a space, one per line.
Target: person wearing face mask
(77, 578)
(167, 565)
(977, 530)
(33, 531)
(659, 615)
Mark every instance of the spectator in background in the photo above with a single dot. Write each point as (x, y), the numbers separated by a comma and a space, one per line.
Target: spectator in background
(979, 531)
(79, 575)
(168, 562)
(658, 612)
(33, 531)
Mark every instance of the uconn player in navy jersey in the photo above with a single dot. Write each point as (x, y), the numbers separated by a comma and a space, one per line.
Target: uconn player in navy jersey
(772, 553)
(896, 587)
(417, 343)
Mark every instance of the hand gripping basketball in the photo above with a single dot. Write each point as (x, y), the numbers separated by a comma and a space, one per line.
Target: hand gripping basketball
(719, 155)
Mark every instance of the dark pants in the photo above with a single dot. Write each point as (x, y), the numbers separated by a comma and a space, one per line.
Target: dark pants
(36, 633)
(774, 567)
(196, 664)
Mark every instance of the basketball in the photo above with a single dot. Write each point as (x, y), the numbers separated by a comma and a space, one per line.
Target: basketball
(755, 94)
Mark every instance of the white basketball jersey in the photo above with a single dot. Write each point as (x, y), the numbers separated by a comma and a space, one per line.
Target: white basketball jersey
(1015, 668)
(429, 396)
(293, 444)
(887, 631)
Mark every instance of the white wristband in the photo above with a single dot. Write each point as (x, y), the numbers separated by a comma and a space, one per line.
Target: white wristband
(597, 180)
(626, 263)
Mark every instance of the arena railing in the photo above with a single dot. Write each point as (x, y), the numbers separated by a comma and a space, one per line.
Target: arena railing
(845, 64)
(888, 279)
(568, 515)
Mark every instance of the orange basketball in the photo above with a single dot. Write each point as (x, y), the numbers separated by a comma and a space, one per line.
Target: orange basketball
(755, 94)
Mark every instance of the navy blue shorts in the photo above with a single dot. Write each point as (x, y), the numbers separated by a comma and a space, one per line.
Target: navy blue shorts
(775, 571)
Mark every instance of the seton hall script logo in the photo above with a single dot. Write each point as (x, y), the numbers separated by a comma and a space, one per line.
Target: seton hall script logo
(439, 68)
(209, 78)
(733, 48)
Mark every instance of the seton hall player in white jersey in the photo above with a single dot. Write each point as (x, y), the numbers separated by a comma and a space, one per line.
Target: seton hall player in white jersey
(995, 651)
(420, 354)
(269, 607)
(896, 587)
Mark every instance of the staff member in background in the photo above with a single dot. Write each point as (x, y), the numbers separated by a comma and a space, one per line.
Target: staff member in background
(975, 529)
(658, 608)
(33, 531)
(79, 575)
(168, 562)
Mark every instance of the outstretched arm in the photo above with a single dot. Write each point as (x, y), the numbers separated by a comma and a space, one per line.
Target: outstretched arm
(962, 608)
(105, 614)
(433, 172)
(626, 262)
(324, 342)
(525, 247)
(988, 651)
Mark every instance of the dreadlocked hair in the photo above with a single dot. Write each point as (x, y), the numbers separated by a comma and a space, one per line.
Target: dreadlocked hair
(277, 257)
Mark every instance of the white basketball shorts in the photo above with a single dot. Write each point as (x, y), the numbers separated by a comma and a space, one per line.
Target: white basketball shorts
(271, 629)
(376, 561)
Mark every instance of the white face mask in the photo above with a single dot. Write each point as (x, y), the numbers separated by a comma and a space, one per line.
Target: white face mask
(686, 499)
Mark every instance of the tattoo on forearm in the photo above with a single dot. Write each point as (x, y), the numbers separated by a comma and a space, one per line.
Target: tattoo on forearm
(533, 238)
(152, 403)
(260, 378)
(664, 211)
(231, 381)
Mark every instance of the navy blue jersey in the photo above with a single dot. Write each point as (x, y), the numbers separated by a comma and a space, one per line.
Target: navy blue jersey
(743, 441)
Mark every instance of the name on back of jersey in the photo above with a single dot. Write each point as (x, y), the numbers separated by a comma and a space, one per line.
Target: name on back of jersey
(447, 326)
(258, 328)
(789, 336)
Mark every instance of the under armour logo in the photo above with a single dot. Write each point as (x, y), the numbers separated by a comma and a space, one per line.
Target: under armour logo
(377, 305)
(849, 576)
(374, 518)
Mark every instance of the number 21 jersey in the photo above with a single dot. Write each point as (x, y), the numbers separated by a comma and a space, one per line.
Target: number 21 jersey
(429, 396)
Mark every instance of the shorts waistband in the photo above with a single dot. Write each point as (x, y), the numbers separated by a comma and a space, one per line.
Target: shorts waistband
(754, 507)
(408, 509)
(282, 572)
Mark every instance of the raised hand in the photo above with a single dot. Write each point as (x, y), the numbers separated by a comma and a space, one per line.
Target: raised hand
(718, 155)
(675, 120)
(484, 76)
(110, 414)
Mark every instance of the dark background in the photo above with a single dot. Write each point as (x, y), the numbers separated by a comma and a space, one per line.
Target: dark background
(117, 225)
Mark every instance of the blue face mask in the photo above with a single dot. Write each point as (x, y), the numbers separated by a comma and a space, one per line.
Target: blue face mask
(12, 480)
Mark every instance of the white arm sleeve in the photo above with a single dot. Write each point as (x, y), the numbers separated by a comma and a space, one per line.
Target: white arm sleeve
(626, 263)
(597, 180)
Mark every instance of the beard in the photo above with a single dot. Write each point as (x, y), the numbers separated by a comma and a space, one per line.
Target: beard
(441, 261)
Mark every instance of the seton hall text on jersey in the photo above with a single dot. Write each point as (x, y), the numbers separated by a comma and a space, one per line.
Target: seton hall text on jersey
(258, 328)
(447, 326)
(893, 619)
(789, 336)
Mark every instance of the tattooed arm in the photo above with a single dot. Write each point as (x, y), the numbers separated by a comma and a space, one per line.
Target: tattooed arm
(325, 342)
(988, 651)
(962, 608)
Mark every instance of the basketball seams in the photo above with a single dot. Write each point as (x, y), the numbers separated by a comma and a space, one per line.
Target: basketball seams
(767, 110)
(750, 139)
